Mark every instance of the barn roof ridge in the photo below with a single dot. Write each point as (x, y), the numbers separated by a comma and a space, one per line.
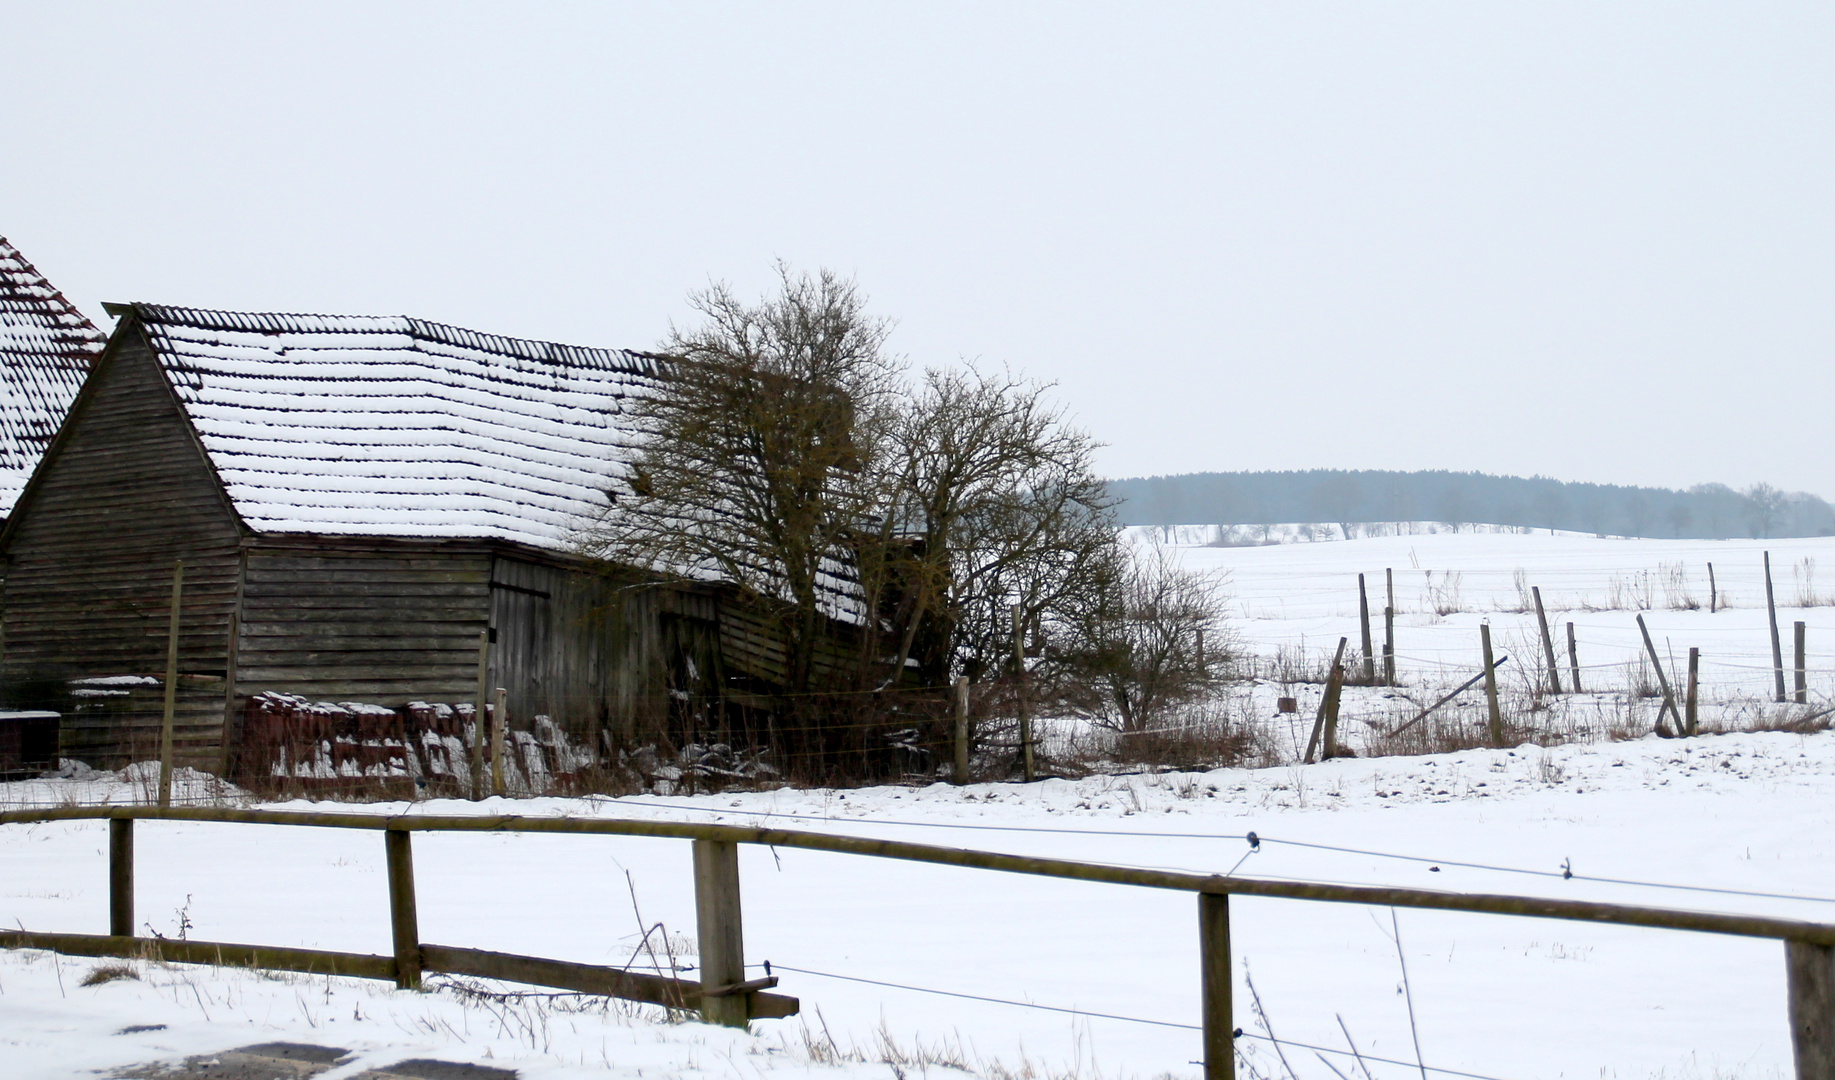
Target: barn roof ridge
(295, 322)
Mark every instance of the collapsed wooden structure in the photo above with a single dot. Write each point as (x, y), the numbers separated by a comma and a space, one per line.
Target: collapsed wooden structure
(356, 500)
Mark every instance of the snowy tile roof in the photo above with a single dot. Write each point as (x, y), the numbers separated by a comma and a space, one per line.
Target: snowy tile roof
(393, 426)
(46, 348)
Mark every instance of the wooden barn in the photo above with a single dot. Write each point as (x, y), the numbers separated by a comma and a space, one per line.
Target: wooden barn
(354, 499)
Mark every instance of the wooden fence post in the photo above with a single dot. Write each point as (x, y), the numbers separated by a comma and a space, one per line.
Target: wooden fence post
(1334, 694)
(1803, 686)
(1810, 976)
(478, 713)
(1777, 647)
(1019, 683)
(1327, 704)
(1548, 642)
(959, 775)
(1669, 699)
(1497, 713)
(1363, 615)
(121, 877)
(1389, 646)
(1389, 630)
(166, 720)
(1214, 963)
(1573, 658)
(721, 931)
(1693, 698)
(1713, 591)
(404, 920)
(499, 729)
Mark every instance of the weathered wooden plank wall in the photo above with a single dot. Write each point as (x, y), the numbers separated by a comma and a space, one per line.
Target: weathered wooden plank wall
(379, 622)
(89, 563)
(597, 654)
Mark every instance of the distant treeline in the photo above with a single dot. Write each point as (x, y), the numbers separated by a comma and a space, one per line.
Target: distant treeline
(1347, 497)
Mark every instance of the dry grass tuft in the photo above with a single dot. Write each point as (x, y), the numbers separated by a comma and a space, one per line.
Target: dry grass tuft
(107, 973)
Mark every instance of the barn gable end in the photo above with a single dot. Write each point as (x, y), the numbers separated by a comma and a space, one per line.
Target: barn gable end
(124, 490)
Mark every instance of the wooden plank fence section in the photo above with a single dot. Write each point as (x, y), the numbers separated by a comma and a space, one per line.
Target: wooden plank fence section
(724, 997)
(222, 954)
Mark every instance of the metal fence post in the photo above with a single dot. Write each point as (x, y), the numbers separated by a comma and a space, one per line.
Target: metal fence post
(1214, 962)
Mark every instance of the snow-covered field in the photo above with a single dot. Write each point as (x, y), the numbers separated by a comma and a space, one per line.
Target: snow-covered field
(1744, 814)
(1293, 601)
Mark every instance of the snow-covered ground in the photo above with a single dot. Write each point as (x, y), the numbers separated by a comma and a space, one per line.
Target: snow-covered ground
(1746, 814)
(1495, 996)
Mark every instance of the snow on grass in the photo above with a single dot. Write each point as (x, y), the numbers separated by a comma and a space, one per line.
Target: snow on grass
(1496, 996)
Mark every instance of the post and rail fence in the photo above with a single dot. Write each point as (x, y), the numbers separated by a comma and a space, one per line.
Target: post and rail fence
(723, 995)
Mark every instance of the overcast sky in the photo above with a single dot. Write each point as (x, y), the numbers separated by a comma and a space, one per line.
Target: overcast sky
(1590, 241)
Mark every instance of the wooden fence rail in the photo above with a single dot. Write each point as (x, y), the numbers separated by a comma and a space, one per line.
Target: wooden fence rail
(723, 995)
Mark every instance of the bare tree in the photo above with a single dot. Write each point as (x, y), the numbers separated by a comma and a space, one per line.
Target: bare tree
(998, 500)
(1157, 643)
(1764, 504)
(762, 452)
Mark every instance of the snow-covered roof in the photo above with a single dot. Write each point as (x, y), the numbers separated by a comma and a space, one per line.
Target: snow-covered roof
(391, 426)
(46, 348)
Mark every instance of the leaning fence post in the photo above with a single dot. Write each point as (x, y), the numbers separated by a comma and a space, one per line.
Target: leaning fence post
(121, 877)
(1214, 963)
(1363, 615)
(1777, 648)
(1810, 975)
(960, 773)
(1669, 699)
(1548, 643)
(404, 921)
(720, 931)
(1332, 680)
(1497, 715)
(171, 707)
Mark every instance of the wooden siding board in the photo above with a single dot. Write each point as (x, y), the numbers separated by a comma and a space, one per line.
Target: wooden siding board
(366, 624)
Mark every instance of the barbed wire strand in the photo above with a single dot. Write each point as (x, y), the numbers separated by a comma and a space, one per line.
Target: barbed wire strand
(1239, 1033)
(1564, 874)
